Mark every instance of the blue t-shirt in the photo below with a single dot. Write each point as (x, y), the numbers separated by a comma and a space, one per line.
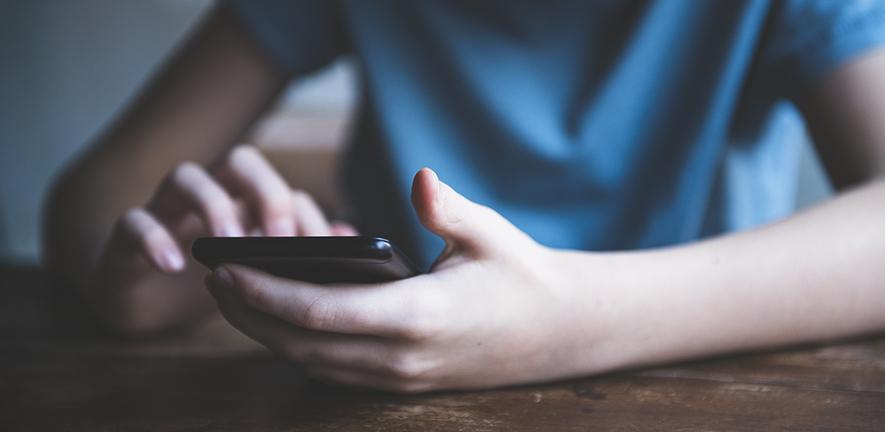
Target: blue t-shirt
(593, 125)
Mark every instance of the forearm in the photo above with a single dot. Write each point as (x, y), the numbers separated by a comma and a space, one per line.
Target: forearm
(812, 277)
(196, 107)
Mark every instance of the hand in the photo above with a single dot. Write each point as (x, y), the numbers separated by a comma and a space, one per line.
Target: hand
(244, 195)
(491, 312)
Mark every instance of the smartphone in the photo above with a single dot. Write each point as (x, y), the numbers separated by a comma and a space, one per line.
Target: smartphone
(310, 259)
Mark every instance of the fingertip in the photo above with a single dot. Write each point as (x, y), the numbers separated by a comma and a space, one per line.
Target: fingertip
(427, 171)
(425, 192)
(230, 229)
(233, 275)
(222, 276)
(343, 229)
(429, 176)
(282, 227)
(218, 280)
(170, 261)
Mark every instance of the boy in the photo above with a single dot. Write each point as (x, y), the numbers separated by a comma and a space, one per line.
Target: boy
(583, 128)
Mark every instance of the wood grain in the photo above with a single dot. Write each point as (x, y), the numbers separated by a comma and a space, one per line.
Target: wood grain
(208, 380)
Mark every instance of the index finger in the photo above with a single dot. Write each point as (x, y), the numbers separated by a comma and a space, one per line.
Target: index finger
(250, 173)
(403, 309)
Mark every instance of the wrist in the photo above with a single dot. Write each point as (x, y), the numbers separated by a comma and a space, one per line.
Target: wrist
(595, 310)
(626, 309)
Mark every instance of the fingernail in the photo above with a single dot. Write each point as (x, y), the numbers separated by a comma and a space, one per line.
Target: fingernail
(171, 260)
(231, 230)
(281, 228)
(222, 277)
(436, 199)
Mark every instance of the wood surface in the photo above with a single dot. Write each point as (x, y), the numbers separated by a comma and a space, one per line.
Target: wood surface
(58, 373)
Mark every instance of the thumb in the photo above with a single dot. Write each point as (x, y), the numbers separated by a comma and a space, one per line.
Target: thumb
(462, 223)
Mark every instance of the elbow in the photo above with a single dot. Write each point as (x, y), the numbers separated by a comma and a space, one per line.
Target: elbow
(130, 320)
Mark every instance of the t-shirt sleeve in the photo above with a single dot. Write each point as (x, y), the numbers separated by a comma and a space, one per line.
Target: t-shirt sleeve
(812, 37)
(300, 35)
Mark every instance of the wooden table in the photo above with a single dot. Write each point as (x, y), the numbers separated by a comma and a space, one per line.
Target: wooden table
(56, 375)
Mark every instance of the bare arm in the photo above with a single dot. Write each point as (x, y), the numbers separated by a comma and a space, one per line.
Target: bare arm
(815, 276)
(500, 309)
(846, 116)
(198, 105)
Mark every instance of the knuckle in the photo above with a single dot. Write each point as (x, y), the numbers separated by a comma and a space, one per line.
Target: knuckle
(278, 203)
(216, 210)
(308, 355)
(489, 213)
(242, 154)
(301, 197)
(407, 367)
(317, 315)
(184, 172)
(427, 318)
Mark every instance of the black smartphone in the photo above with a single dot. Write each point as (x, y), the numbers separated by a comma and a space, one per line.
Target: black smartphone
(310, 259)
